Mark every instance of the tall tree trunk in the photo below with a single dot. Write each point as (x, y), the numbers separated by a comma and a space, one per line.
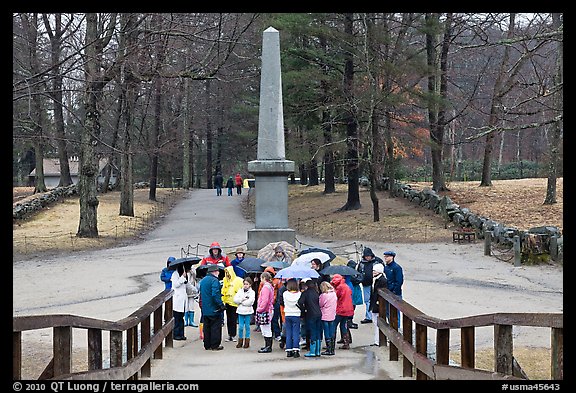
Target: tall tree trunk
(353, 201)
(557, 126)
(496, 111)
(88, 165)
(328, 157)
(55, 36)
(207, 107)
(187, 179)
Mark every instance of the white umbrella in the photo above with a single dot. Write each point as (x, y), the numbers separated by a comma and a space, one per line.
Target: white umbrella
(304, 259)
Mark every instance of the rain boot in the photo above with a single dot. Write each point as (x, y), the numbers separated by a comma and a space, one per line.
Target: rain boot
(192, 319)
(268, 347)
(349, 337)
(328, 343)
(312, 352)
(201, 331)
(246, 343)
(240, 343)
(282, 342)
(318, 347)
(346, 344)
(186, 318)
(333, 346)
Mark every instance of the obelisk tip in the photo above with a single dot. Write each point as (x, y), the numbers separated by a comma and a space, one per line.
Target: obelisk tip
(270, 30)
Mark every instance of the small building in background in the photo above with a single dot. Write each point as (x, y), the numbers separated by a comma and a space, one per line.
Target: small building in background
(52, 172)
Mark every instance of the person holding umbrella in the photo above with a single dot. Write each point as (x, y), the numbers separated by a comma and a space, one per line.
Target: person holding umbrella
(179, 301)
(212, 309)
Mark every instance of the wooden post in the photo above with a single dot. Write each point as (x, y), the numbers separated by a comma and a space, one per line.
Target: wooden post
(421, 347)
(62, 349)
(145, 337)
(468, 350)
(557, 358)
(16, 355)
(503, 349)
(517, 253)
(487, 242)
(393, 317)
(407, 367)
(443, 346)
(157, 327)
(94, 349)
(116, 344)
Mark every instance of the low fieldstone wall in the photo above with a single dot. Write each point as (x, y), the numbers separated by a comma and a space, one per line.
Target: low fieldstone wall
(32, 206)
(550, 238)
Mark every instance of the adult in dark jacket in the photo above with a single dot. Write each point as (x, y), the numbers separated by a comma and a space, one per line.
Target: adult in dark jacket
(218, 183)
(366, 264)
(378, 282)
(212, 309)
(394, 275)
(309, 302)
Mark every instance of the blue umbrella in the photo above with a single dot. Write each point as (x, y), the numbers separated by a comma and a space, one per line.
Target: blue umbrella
(296, 271)
(252, 265)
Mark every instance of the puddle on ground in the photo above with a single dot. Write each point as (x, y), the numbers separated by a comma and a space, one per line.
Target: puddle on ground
(368, 365)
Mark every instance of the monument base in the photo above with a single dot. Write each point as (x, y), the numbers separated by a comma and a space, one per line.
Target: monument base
(258, 238)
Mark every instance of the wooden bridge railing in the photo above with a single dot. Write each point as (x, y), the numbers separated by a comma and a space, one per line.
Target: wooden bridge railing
(414, 349)
(134, 336)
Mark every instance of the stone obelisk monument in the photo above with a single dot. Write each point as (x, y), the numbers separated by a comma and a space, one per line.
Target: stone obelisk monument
(271, 169)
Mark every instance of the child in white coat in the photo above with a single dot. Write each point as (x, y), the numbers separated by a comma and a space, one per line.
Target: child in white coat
(245, 298)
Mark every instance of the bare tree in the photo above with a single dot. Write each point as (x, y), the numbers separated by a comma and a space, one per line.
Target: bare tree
(557, 126)
(99, 30)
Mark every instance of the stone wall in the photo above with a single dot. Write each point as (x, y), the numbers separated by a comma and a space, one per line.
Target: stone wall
(549, 238)
(34, 205)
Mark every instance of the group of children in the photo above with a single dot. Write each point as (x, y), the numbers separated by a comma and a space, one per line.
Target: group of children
(296, 312)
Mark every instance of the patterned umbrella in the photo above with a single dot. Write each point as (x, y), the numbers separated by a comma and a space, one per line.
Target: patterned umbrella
(296, 271)
(267, 252)
(252, 265)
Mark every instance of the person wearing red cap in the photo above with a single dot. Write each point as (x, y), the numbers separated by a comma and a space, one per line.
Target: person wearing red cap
(216, 256)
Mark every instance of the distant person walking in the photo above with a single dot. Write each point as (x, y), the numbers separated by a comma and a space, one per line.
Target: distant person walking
(219, 183)
(230, 185)
(238, 180)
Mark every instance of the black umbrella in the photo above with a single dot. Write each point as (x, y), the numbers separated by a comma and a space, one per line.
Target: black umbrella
(252, 265)
(187, 261)
(276, 264)
(201, 271)
(339, 269)
(318, 249)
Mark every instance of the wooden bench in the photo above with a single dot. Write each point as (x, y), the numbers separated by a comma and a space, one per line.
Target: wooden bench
(460, 236)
